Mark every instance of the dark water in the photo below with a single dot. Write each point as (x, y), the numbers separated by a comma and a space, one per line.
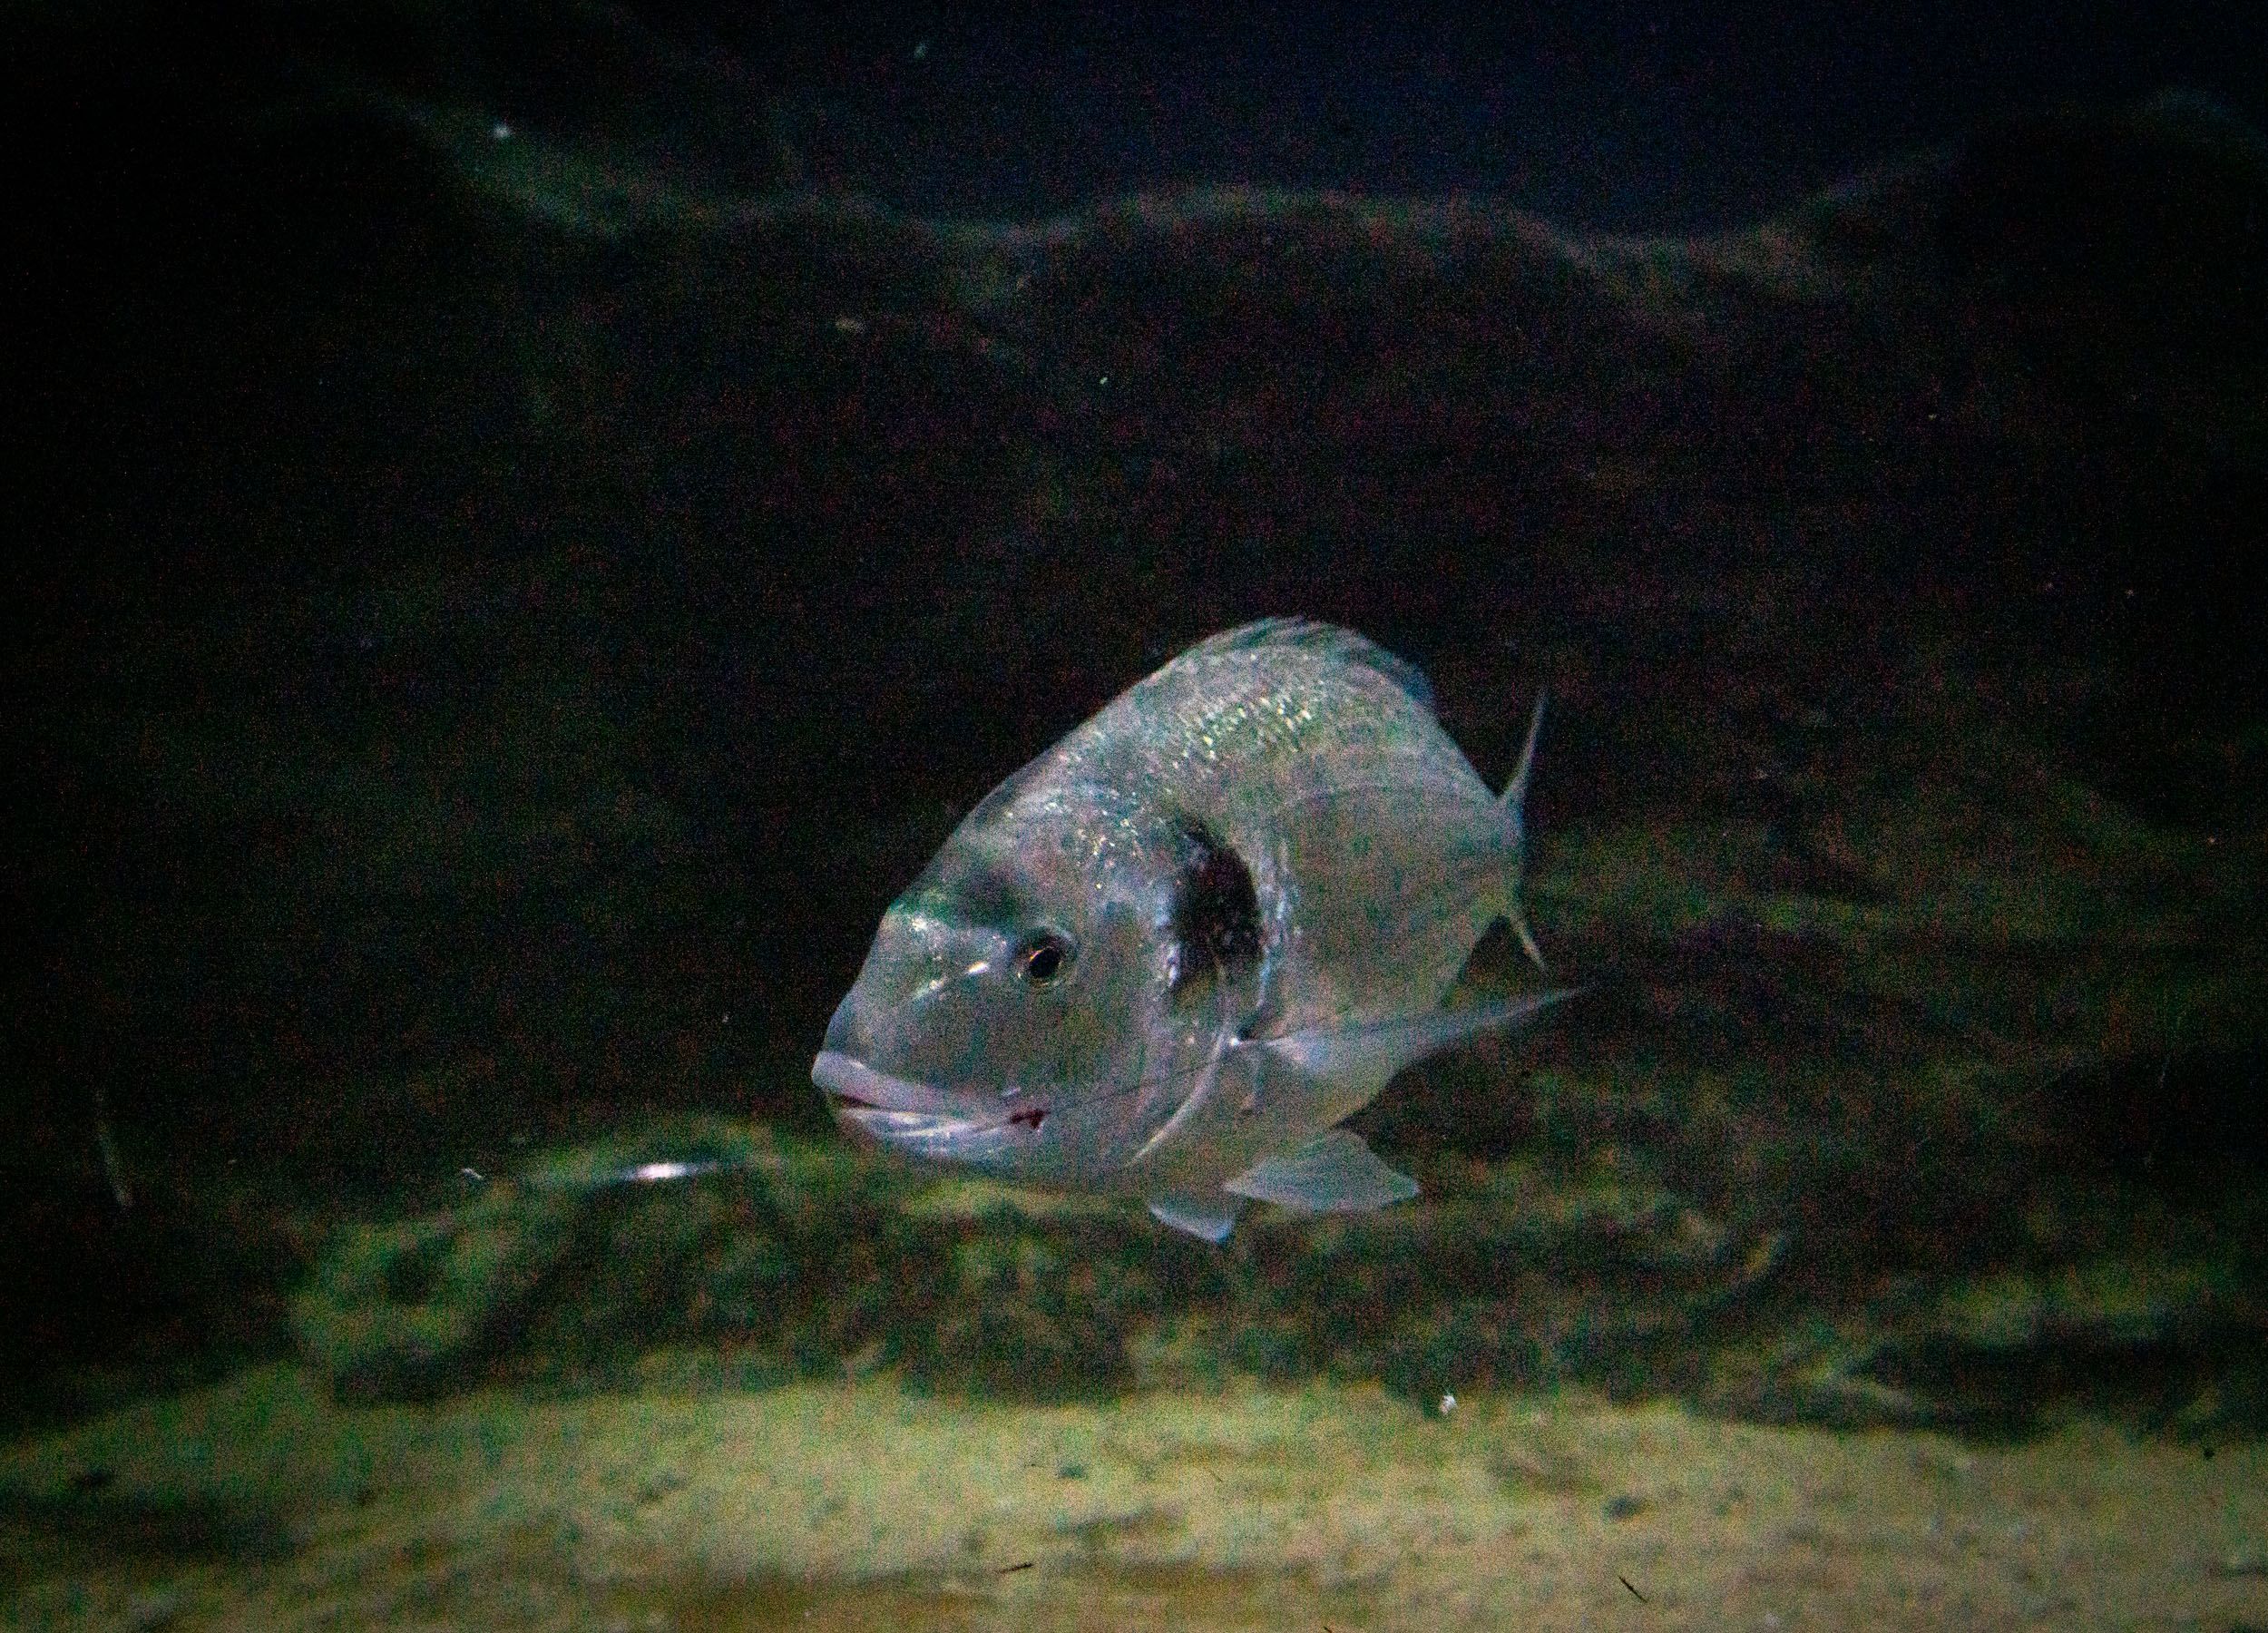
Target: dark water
(534, 522)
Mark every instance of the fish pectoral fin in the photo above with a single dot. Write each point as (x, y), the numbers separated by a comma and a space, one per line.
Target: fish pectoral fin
(1334, 1172)
(1372, 1053)
(1211, 1216)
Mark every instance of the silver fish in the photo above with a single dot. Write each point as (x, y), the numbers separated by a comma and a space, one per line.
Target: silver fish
(1168, 956)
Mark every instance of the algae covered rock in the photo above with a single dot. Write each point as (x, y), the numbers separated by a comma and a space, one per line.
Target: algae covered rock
(810, 1257)
(587, 1259)
(402, 1310)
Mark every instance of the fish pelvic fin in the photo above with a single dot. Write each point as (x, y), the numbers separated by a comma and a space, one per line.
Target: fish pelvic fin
(1334, 1172)
(1208, 1217)
(1510, 803)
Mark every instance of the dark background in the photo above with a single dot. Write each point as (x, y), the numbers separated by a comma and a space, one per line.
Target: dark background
(1644, 118)
(1634, 118)
(473, 675)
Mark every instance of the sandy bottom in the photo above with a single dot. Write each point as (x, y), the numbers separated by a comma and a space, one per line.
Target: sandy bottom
(257, 1504)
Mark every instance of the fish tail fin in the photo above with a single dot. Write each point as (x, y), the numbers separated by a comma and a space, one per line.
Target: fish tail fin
(1510, 803)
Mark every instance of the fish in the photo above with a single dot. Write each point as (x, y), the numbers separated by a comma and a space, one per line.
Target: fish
(1166, 959)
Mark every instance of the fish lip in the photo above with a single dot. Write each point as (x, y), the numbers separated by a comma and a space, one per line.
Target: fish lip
(910, 1115)
(904, 1127)
(856, 1086)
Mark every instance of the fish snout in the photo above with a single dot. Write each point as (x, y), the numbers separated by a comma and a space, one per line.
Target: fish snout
(916, 1119)
(848, 1033)
(853, 1066)
(876, 1087)
(850, 1073)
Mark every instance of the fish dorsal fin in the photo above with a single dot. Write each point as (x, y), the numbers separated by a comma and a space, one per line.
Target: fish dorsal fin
(1334, 1172)
(1328, 641)
(1211, 1217)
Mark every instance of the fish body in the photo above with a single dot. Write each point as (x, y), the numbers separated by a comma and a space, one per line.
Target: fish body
(1166, 958)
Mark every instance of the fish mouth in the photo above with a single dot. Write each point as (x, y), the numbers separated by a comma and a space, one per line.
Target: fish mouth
(904, 1112)
(860, 1087)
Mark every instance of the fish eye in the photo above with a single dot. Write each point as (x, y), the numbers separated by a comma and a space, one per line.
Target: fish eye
(1043, 957)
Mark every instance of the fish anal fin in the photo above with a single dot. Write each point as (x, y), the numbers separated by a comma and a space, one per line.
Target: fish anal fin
(1334, 1172)
(1210, 1217)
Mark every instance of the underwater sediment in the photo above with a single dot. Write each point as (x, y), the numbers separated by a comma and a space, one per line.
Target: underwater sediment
(686, 1501)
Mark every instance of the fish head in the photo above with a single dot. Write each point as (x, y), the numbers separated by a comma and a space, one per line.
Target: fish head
(1007, 1012)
